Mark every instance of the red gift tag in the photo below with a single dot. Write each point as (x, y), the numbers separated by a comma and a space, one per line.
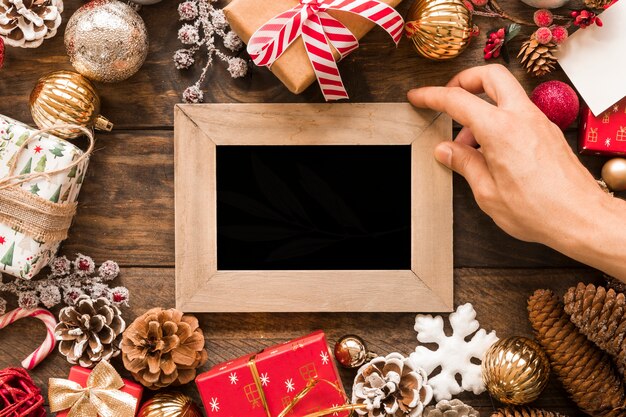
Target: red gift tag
(283, 372)
(605, 134)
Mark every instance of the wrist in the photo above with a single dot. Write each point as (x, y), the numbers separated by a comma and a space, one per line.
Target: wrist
(594, 233)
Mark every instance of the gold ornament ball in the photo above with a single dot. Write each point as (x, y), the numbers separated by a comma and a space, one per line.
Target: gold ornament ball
(169, 404)
(439, 29)
(614, 174)
(106, 40)
(515, 370)
(66, 97)
(351, 351)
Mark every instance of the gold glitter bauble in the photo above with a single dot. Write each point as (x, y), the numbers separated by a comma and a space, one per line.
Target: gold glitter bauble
(439, 29)
(169, 404)
(614, 174)
(515, 370)
(66, 97)
(106, 40)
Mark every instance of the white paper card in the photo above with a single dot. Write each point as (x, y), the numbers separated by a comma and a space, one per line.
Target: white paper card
(595, 60)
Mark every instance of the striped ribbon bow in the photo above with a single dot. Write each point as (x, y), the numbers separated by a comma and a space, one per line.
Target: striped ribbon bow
(319, 31)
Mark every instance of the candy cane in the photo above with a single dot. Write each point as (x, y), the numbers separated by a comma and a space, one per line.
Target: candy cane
(47, 346)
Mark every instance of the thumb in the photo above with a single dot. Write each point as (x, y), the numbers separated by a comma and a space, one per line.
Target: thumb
(468, 162)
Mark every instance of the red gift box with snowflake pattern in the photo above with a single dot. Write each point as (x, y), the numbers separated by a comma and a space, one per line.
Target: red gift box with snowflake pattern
(604, 134)
(266, 383)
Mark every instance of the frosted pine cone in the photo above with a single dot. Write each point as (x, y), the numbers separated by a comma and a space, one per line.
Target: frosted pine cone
(453, 408)
(28, 300)
(26, 23)
(89, 331)
(163, 347)
(391, 386)
(84, 265)
(188, 10)
(109, 270)
(60, 266)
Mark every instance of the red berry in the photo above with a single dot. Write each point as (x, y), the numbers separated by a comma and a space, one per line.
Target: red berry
(543, 35)
(559, 34)
(543, 18)
(599, 22)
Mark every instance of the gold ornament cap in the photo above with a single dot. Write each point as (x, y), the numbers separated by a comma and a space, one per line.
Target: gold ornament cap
(169, 404)
(66, 97)
(439, 29)
(515, 370)
(614, 174)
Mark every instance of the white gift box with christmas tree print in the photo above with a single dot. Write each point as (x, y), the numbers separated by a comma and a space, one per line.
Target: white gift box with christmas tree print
(21, 255)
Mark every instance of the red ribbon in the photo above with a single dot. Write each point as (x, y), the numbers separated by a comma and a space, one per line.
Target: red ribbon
(319, 30)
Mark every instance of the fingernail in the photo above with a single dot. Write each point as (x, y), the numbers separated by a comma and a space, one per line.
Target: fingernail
(443, 154)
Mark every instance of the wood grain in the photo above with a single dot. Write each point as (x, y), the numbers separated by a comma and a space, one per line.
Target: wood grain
(499, 297)
(126, 208)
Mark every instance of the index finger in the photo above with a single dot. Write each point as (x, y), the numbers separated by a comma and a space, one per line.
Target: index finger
(461, 105)
(495, 80)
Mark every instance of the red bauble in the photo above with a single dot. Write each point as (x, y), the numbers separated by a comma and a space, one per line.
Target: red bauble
(19, 396)
(558, 101)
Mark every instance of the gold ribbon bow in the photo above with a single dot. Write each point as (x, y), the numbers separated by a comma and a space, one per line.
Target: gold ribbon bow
(101, 397)
(300, 396)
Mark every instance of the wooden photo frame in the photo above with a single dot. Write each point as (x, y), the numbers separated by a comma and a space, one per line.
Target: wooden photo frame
(201, 287)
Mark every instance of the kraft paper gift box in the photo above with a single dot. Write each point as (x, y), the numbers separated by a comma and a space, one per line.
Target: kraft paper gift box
(283, 372)
(605, 134)
(293, 68)
(21, 255)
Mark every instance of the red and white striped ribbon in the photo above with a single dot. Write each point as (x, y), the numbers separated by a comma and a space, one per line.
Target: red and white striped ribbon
(47, 346)
(319, 31)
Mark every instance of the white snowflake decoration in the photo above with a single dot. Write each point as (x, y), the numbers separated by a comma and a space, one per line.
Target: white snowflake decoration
(453, 354)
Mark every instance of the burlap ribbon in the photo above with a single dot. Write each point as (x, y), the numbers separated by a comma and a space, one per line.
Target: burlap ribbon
(30, 214)
(300, 396)
(101, 397)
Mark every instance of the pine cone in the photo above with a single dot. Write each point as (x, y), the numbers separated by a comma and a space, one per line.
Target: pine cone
(601, 316)
(586, 372)
(391, 386)
(597, 4)
(90, 331)
(524, 412)
(538, 59)
(454, 408)
(163, 347)
(26, 23)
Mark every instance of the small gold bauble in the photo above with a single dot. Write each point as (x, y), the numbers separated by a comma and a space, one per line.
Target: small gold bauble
(106, 40)
(515, 370)
(439, 29)
(614, 174)
(351, 351)
(169, 404)
(66, 97)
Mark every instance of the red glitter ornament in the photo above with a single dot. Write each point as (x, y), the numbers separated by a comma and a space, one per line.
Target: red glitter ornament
(19, 396)
(559, 34)
(558, 101)
(543, 35)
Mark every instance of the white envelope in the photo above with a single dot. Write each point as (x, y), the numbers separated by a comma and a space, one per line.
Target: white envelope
(595, 60)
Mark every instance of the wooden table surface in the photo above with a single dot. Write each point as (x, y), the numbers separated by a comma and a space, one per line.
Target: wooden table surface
(126, 208)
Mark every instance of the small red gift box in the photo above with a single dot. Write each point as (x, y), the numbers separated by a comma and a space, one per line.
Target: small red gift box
(605, 134)
(79, 374)
(275, 377)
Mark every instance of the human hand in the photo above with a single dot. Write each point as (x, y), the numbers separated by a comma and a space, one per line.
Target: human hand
(524, 175)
